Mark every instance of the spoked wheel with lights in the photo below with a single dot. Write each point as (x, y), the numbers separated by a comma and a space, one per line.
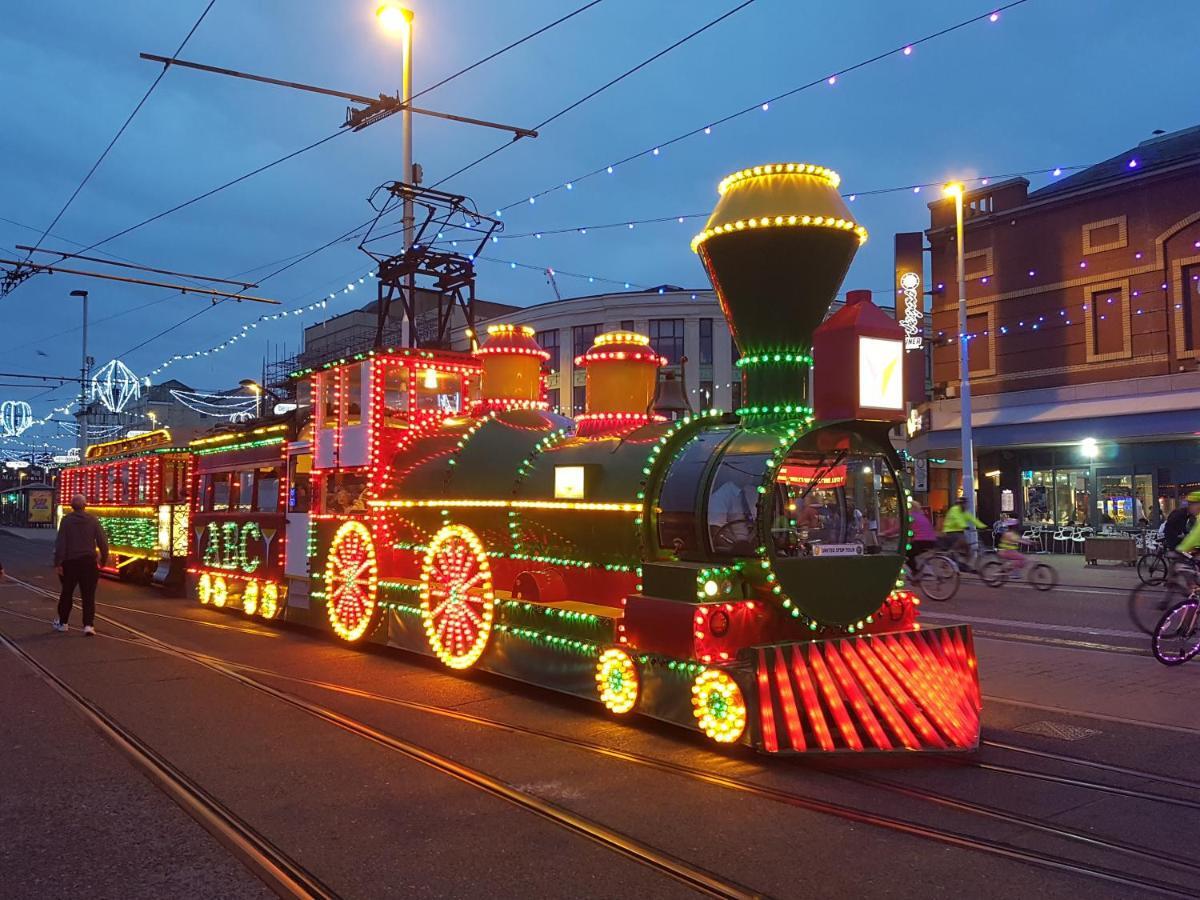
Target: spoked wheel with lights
(352, 582)
(458, 603)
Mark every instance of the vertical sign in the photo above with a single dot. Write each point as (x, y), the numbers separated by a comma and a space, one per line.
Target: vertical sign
(910, 310)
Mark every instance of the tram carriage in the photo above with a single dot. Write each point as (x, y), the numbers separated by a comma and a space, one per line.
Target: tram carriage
(138, 488)
(713, 571)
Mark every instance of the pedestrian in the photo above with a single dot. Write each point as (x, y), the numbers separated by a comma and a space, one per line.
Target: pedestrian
(80, 538)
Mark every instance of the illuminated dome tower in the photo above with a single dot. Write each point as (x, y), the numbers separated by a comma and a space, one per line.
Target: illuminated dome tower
(622, 371)
(512, 369)
(776, 248)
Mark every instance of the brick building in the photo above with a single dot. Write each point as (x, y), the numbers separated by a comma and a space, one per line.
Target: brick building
(1084, 340)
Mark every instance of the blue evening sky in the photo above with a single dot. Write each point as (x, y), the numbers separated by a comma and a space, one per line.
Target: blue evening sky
(1053, 82)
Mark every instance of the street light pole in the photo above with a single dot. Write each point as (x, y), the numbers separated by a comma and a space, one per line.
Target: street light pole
(964, 367)
(83, 375)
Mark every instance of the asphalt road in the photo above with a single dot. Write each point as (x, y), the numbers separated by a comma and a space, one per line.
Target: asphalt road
(1085, 764)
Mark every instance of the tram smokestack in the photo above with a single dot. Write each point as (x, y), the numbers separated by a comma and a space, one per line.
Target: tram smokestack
(777, 247)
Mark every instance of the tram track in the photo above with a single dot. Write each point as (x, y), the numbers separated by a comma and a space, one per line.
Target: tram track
(694, 877)
(243, 673)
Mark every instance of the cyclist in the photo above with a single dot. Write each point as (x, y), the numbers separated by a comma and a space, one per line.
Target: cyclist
(1192, 541)
(955, 526)
(1181, 521)
(924, 535)
(1009, 543)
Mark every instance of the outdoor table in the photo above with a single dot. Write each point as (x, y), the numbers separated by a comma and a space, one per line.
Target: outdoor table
(1117, 548)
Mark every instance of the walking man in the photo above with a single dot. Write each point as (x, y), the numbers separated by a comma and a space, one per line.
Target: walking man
(80, 537)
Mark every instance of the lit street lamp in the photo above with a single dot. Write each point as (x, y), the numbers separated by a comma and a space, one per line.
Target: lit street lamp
(397, 20)
(955, 189)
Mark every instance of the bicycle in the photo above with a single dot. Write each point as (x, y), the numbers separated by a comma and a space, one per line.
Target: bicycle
(1040, 575)
(936, 575)
(1147, 601)
(1177, 636)
(1153, 567)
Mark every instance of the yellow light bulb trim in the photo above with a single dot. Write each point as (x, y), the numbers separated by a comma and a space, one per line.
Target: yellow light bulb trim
(483, 588)
(621, 337)
(503, 329)
(617, 681)
(739, 178)
(718, 706)
(367, 578)
(781, 221)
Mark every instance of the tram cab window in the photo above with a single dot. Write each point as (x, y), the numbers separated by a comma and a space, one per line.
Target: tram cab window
(834, 503)
(268, 490)
(733, 498)
(220, 491)
(328, 383)
(345, 492)
(206, 493)
(683, 483)
(395, 396)
(354, 384)
(438, 391)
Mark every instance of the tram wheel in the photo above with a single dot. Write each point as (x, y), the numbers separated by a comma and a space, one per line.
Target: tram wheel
(458, 602)
(352, 582)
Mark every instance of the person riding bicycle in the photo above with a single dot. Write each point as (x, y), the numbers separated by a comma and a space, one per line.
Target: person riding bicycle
(1009, 544)
(1181, 521)
(1192, 541)
(955, 526)
(924, 535)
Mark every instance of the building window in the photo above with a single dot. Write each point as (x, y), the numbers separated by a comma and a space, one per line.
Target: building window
(552, 399)
(578, 399)
(706, 342)
(582, 337)
(1191, 307)
(627, 324)
(1107, 311)
(666, 337)
(548, 341)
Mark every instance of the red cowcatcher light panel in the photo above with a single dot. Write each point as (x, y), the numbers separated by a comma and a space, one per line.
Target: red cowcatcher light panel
(858, 364)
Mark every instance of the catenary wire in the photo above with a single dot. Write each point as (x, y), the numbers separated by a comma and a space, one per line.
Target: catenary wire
(605, 86)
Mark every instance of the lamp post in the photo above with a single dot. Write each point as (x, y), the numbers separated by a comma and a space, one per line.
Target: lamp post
(955, 190)
(397, 20)
(83, 376)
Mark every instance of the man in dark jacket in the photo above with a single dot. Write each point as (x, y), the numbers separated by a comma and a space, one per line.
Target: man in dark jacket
(80, 537)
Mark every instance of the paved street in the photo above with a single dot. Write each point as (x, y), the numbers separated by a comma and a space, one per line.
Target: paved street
(1066, 683)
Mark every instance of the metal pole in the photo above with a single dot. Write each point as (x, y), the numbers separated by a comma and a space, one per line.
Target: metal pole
(964, 372)
(406, 123)
(83, 375)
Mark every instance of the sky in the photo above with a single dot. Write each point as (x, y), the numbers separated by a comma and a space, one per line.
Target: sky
(1050, 83)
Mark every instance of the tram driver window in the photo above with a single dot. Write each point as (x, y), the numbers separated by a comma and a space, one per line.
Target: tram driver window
(438, 391)
(733, 504)
(395, 396)
(354, 385)
(328, 383)
(300, 483)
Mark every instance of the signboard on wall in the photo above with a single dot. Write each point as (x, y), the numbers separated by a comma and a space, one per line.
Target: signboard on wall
(910, 288)
(920, 475)
(40, 507)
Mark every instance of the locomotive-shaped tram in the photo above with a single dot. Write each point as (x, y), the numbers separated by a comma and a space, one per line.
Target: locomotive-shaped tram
(735, 573)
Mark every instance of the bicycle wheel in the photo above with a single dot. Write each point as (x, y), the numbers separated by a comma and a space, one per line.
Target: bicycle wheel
(1042, 576)
(992, 573)
(1177, 635)
(1148, 602)
(1152, 568)
(937, 578)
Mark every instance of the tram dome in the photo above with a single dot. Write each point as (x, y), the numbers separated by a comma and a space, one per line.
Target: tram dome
(777, 246)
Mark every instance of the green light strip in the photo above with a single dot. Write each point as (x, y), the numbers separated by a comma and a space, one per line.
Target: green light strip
(245, 445)
(764, 359)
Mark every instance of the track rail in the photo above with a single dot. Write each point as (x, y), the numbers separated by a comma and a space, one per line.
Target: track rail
(280, 872)
(239, 671)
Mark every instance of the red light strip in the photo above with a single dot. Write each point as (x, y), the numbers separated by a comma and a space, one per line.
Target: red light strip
(858, 702)
(812, 705)
(833, 700)
(896, 659)
(879, 696)
(791, 712)
(876, 659)
(766, 708)
(942, 682)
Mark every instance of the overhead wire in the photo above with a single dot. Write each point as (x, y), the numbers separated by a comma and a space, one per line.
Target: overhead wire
(604, 87)
(120, 131)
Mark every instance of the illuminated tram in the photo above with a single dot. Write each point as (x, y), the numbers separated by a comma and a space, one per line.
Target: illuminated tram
(733, 573)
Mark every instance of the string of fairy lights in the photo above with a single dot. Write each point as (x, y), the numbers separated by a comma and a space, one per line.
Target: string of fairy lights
(655, 150)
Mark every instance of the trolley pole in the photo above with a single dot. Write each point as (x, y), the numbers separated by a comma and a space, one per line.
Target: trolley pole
(964, 366)
(83, 376)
